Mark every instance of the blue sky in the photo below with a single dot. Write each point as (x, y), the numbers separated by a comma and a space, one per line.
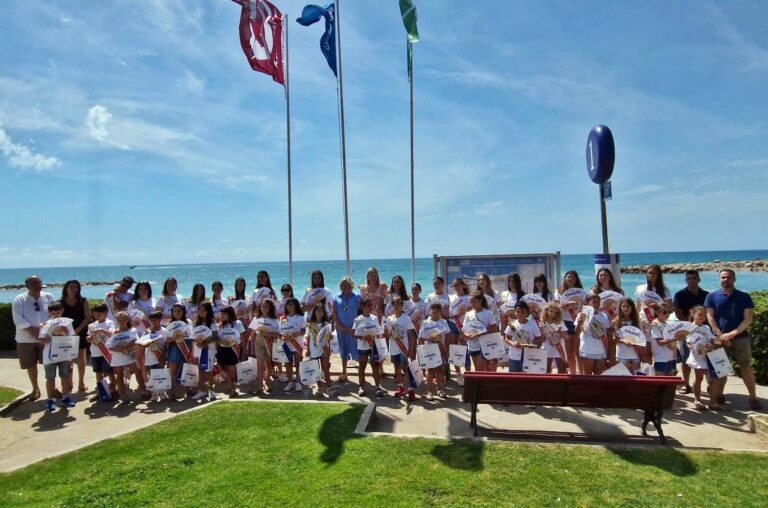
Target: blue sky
(135, 132)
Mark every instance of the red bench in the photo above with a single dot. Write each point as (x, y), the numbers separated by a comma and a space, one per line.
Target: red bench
(652, 394)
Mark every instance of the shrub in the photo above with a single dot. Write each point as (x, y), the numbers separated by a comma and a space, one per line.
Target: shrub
(759, 333)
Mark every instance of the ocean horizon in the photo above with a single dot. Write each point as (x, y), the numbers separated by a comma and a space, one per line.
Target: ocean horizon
(188, 274)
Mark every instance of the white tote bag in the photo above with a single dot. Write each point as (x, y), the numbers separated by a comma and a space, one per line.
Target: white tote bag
(415, 372)
(310, 372)
(382, 347)
(429, 355)
(534, 361)
(159, 380)
(457, 355)
(246, 371)
(721, 364)
(278, 352)
(63, 348)
(190, 375)
(334, 344)
(491, 346)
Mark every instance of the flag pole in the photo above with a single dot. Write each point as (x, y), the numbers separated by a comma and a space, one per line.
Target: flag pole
(340, 91)
(288, 130)
(413, 216)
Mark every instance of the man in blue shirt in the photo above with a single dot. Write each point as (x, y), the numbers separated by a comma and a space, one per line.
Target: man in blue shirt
(730, 312)
(345, 310)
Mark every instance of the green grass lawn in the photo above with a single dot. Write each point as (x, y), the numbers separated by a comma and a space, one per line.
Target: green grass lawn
(259, 454)
(7, 395)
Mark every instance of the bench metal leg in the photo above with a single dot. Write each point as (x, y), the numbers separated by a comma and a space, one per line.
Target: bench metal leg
(654, 417)
(473, 405)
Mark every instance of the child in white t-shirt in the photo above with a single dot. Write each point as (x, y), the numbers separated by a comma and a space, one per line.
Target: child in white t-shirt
(663, 349)
(700, 342)
(520, 333)
(399, 329)
(366, 329)
(434, 330)
(293, 341)
(99, 333)
(555, 334)
(318, 338)
(479, 318)
(205, 350)
(121, 343)
(56, 326)
(596, 334)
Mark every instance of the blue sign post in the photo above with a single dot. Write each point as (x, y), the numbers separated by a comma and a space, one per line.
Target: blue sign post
(601, 155)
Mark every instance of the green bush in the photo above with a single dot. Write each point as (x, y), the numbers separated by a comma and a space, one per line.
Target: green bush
(7, 328)
(759, 332)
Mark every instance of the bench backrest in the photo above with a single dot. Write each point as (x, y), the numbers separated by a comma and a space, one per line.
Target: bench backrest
(634, 392)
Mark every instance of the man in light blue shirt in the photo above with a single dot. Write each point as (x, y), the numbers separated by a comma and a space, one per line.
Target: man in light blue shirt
(29, 311)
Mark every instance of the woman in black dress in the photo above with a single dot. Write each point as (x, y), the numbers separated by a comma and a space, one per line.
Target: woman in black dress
(76, 308)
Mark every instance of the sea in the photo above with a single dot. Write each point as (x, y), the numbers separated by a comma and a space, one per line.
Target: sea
(189, 274)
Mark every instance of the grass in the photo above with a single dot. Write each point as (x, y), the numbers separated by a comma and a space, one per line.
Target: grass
(259, 454)
(7, 395)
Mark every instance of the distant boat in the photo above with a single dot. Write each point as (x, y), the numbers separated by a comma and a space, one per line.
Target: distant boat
(132, 267)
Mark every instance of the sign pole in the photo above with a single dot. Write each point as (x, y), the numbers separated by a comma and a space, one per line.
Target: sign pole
(604, 219)
(288, 135)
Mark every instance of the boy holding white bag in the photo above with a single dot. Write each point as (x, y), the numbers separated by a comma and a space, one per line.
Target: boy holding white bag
(401, 332)
(434, 330)
(57, 326)
(153, 343)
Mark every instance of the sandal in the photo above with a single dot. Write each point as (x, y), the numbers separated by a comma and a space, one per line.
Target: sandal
(82, 388)
(700, 406)
(429, 397)
(684, 390)
(35, 394)
(716, 407)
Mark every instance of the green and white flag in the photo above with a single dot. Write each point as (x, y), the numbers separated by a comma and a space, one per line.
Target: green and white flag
(408, 11)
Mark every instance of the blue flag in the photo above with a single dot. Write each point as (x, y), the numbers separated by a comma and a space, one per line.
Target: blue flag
(310, 15)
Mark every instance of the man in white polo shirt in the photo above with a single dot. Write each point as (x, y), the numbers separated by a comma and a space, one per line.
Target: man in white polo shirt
(29, 310)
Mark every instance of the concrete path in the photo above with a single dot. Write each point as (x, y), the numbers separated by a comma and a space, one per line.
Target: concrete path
(29, 434)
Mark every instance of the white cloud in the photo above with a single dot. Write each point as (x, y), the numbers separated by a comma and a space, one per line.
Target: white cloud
(22, 157)
(644, 189)
(96, 120)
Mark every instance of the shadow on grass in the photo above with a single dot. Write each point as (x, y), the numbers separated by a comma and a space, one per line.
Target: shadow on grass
(335, 431)
(667, 459)
(464, 454)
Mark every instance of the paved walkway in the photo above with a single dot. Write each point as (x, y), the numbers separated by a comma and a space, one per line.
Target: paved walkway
(29, 434)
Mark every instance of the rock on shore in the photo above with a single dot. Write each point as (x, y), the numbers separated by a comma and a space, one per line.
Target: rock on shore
(757, 265)
(9, 287)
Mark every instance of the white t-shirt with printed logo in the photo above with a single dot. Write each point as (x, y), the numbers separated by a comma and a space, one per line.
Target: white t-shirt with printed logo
(529, 328)
(107, 325)
(403, 325)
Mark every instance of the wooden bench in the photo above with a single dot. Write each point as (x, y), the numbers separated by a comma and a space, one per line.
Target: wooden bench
(651, 394)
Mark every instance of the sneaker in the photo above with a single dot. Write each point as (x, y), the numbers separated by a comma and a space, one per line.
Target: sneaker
(212, 395)
(352, 364)
(361, 392)
(282, 378)
(441, 394)
(400, 391)
(460, 380)
(429, 397)
(380, 392)
(66, 401)
(288, 387)
(50, 405)
(411, 395)
(199, 395)
(298, 387)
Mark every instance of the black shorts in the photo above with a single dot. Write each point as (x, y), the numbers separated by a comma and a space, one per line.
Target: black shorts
(226, 356)
(83, 343)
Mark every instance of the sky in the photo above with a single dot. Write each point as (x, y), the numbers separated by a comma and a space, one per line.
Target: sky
(135, 132)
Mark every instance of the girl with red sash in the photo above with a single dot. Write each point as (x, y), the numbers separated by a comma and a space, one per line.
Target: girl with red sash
(629, 355)
(318, 343)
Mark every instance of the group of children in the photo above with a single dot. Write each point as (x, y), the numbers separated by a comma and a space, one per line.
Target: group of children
(133, 334)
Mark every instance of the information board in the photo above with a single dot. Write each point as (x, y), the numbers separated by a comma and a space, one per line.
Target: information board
(499, 267)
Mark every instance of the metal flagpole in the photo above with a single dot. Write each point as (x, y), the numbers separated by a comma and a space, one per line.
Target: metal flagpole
(340, 91)
(413, 219)
(288, 127)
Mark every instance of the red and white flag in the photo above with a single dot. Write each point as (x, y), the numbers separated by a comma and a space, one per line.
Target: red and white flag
(261, 36)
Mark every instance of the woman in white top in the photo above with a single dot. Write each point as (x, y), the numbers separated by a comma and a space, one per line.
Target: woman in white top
(541, 287)
(654, 281)
(167, 299)
(262, 291)
(479, 317)
(193, 302)
(571, 280)
(317, 292)
(484, 284)
(142, 298)
(397, 289)
(510, 296)
(218, 302)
